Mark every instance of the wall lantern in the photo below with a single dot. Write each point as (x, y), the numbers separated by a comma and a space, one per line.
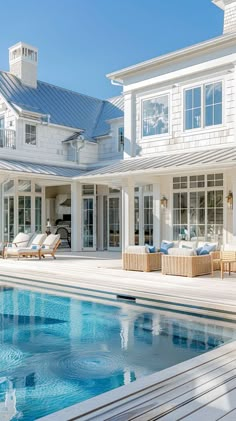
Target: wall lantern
(163, 202)
(229, 199)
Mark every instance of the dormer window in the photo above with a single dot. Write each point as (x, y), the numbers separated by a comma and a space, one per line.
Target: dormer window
(30, 134)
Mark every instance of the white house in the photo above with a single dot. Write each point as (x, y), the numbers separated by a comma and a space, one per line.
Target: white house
(171, 175)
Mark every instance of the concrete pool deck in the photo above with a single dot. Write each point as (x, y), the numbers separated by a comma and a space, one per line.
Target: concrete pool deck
(201, 388)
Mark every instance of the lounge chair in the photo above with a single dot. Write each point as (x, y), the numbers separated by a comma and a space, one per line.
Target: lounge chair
(50, 245)
(21, 240)
(34, 248)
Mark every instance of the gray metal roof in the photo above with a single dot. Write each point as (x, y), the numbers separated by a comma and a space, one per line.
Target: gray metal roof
(181, 160)
(65, 107)
(33, 168)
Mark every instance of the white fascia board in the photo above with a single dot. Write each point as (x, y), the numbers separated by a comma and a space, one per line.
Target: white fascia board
(189, 71)
(213, 43)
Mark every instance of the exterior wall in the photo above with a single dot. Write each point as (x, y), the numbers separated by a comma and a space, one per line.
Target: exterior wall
(172, 79)
(178, 138)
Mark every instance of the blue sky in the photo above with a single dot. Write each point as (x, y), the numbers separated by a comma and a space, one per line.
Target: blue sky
(80, 41)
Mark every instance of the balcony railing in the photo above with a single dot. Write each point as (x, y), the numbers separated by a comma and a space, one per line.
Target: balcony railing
(7, 138)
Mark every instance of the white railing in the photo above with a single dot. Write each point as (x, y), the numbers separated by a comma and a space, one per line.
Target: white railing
(7, 138)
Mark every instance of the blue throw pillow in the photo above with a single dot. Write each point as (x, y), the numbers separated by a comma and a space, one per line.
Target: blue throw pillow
(152, 249)
(165, 247)
(207, 248)
(34, 247)
(198, 250)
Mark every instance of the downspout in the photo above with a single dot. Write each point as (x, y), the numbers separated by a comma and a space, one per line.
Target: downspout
(78, 148)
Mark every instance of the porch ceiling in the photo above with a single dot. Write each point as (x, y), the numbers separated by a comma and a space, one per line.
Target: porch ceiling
(162, 164)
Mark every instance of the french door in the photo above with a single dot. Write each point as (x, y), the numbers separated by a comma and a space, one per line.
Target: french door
(89, 223)
(114, 237)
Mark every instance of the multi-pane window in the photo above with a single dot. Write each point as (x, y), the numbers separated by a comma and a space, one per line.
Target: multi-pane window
(180, 183)
(213, 104)
(88, 222)
(203, 106)
(155, 116)
(148, 219)
(180, 215)
(193, 108)
(24, 215)
(38, 214)
(198, 213)
(88, 189)
(30, 134)
(121, 139)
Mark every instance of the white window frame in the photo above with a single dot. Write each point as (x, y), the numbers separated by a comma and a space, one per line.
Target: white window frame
(30, 144)
(206, 189)
(152, 96)
(203, 127)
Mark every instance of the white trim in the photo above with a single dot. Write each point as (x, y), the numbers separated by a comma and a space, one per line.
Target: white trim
(213, 43)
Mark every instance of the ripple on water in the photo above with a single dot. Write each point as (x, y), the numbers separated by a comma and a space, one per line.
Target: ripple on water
(10, 357)
(90, 365)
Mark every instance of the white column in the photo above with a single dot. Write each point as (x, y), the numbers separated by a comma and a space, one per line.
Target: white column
(76, 217)
(156, 215)
(127, 215)
(129, 125)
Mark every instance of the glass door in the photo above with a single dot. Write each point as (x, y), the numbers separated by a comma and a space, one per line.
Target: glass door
(114, 241)
(8, 218)
(89, 223)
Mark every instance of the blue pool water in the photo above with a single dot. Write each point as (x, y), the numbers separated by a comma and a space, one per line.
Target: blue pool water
(58, 351)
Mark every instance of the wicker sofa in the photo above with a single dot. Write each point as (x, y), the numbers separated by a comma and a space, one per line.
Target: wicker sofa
(184, 261)
(186, 265)
(138, 258)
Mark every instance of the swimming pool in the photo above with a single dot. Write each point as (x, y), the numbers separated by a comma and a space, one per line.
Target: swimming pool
(58, 351)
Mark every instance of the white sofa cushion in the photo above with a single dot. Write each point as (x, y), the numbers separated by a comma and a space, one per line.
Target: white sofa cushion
(181, 252)
(137, 249)
(188, 244)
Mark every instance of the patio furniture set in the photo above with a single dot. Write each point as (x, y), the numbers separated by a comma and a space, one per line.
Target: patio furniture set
(26, 245)
(184, 258)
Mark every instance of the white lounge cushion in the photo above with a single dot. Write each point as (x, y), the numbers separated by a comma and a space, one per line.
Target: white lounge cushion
(39, 239)
(51, 241)
(181, 252)
(137, 249)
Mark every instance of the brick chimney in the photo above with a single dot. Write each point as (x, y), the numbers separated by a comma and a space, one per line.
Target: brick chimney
(229, 7)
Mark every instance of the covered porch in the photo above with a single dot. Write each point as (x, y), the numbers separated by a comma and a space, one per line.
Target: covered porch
(187, 196)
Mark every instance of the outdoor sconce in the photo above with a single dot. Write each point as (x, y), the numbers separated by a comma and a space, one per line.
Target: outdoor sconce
(229, 199)
(163, 202)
